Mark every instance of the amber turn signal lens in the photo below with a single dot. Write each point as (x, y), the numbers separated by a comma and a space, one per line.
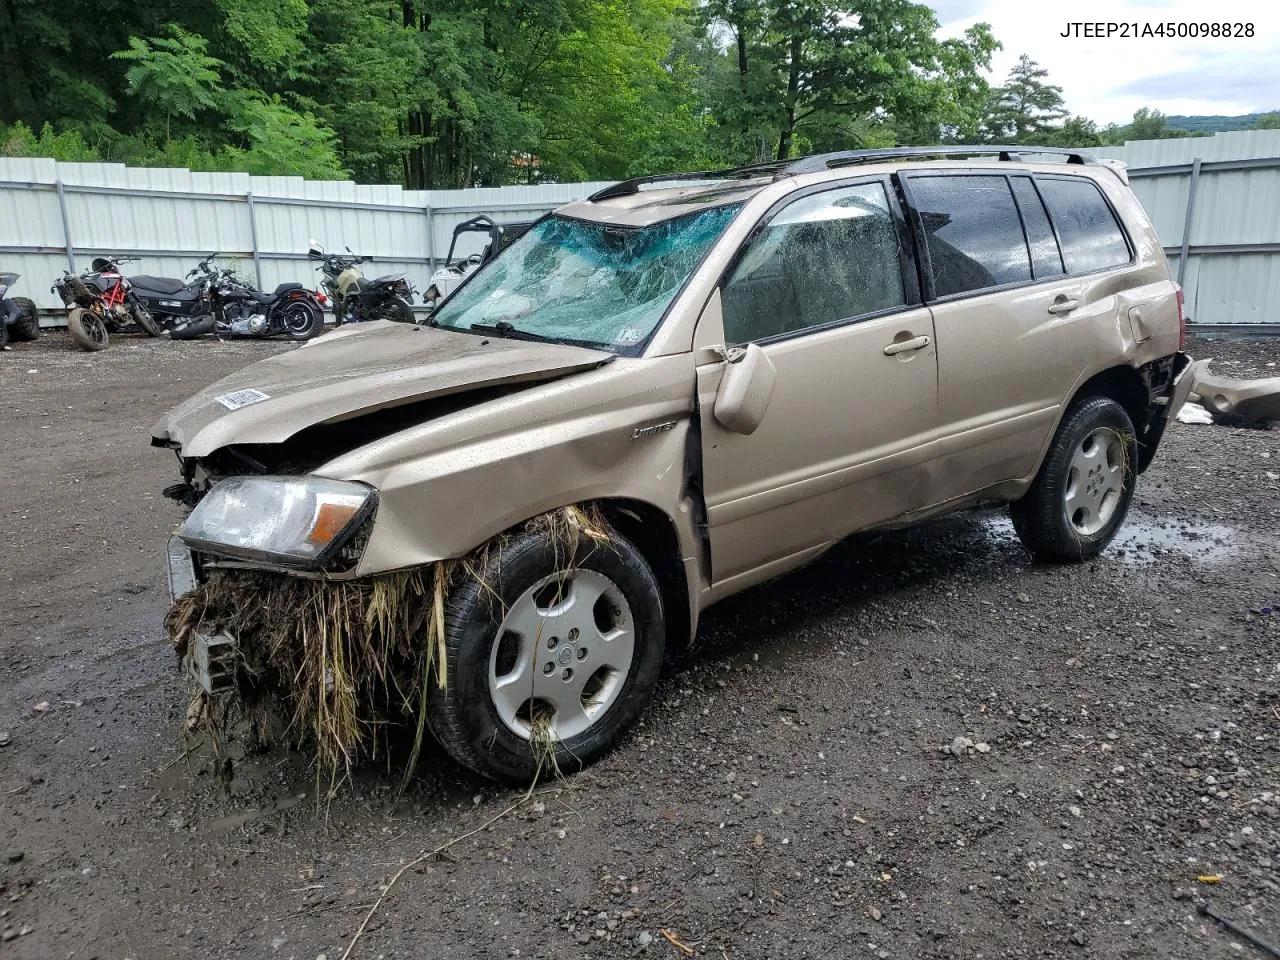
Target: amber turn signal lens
(330, 521)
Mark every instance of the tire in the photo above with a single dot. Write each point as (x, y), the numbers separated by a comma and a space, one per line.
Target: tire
(301, 320)
(464, 717)
(27, 326)
(142, 317)
(87, 329)
(192, 329)
(1081, 495)
(397, 309)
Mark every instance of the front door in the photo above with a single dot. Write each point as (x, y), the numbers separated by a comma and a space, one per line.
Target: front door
(826, 287)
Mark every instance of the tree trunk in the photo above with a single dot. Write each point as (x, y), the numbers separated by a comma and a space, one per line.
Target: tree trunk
(793, 93)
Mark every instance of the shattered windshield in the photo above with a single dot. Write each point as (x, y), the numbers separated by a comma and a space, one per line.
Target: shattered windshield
(585, 282)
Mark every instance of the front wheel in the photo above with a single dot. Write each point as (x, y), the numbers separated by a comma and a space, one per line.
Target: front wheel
(397, 309)
(549, 655)
(87, 329)
(142, 317)
(27, 326)
(1081, 495)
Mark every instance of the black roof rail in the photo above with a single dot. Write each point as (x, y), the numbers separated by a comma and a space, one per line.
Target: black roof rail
(826, 161)
(627, 187)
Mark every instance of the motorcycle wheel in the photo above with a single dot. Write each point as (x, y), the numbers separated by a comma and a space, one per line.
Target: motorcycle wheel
(142, 317)
(27, 326)
(192, 329)
(301, 321)
(87, 329)
(397, 309)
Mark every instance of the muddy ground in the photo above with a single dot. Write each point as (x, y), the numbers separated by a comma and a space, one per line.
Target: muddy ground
(785, 795)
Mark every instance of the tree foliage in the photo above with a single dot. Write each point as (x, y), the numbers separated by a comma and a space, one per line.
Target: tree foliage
(455, 93)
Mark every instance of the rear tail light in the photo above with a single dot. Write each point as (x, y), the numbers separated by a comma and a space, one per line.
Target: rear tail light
(1182, 319)
(324, 301)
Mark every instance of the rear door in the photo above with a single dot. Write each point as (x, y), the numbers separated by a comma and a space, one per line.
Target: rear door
(1013, 322)
(826, 286)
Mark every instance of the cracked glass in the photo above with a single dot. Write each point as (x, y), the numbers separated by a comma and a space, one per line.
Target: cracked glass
(578, 281)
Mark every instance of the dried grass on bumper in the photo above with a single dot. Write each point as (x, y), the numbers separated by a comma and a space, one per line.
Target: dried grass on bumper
(344, 660)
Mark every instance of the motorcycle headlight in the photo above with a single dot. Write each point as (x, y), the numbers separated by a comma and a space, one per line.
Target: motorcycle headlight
(293, 521)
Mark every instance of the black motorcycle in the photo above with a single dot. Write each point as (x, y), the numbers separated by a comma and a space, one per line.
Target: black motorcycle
(173, 302)
(233, 308)
(357, 299)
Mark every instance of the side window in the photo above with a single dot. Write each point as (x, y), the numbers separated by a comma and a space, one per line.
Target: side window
(1091, 238)
(826, 257)
(972, 232)
(1046, 259)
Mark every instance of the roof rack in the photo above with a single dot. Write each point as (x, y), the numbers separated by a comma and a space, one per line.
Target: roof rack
(827, 161)
(627, 187)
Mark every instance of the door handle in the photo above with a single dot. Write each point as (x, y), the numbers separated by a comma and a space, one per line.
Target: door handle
(1063, 305)
(902, 346)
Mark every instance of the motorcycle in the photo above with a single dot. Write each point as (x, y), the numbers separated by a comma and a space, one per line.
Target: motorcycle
(236, 309)
(449, 277)
(18, 318)
(176, 302)
(101, 301)
(356, 299)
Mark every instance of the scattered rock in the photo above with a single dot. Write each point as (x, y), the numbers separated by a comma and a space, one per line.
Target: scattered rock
(874, 913)
(41, 707)
(644, 938)
(4, 738)
(15, 856)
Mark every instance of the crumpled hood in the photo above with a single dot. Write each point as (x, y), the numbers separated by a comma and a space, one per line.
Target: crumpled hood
(354, 371)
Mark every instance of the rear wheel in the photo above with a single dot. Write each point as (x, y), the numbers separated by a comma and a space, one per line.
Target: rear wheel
(397, 309)
(547, 655)
(87, 329)
(1081, 495)
(27, 326)
(301, 320)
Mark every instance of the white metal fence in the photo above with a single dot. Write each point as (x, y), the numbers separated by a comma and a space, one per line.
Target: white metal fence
(59, 216)
(1215, 202)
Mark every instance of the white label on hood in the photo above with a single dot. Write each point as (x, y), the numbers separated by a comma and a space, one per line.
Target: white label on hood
(242, 398)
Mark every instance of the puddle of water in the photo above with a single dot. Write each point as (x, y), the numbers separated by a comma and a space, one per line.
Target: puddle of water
(1143, 539)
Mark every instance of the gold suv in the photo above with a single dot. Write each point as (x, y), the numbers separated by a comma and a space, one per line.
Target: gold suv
(657, 397)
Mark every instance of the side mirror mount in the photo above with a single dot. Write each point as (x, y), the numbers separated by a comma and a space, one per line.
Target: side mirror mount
(745, 389)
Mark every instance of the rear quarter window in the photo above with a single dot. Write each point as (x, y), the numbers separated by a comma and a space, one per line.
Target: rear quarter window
(1090, 236)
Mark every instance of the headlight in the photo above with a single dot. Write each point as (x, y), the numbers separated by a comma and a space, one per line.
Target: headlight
(297, 521)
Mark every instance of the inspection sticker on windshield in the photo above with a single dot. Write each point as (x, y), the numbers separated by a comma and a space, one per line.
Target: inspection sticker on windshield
(242, 398)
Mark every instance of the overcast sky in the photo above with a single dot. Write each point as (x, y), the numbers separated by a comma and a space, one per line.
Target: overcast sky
(1107, 79)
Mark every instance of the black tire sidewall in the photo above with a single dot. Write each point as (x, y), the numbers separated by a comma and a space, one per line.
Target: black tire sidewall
(398, 310)
(314, 322)
(1050, 530)
(464, 718)
(80, 334)
(27, 327)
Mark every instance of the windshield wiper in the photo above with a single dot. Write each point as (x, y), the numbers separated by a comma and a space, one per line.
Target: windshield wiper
(504, 328)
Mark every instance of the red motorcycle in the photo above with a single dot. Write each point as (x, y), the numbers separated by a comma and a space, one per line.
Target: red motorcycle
(101, 301)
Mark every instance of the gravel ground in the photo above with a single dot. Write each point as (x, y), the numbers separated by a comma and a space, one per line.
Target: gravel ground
(1113, 732)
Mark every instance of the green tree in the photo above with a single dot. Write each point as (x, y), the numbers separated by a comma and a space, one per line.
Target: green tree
(1026, 108)
(1268, 121)
(174, 74)
(280, 140)
(826, 74)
